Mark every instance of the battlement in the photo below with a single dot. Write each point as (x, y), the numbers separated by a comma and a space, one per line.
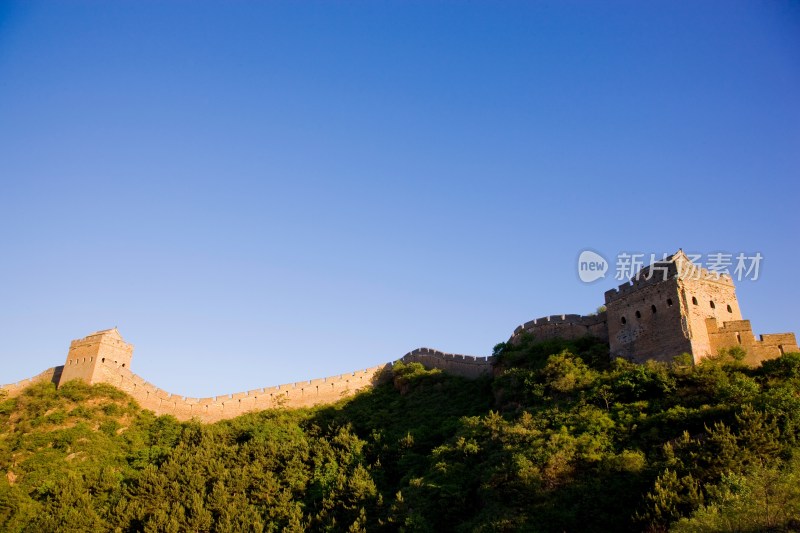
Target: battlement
(51, 375)
(739, 333)
(468, 366)
(676, 266)
(578, 320)
(563, 326)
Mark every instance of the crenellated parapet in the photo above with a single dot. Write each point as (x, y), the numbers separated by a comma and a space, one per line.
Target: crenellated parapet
(468, 366)
(211, 409)
(51, 375)
(676, 266)
(564, 327)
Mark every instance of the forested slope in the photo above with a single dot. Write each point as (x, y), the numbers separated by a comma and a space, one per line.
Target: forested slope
(559, 440)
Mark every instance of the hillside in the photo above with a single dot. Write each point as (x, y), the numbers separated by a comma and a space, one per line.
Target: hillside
(558, 440)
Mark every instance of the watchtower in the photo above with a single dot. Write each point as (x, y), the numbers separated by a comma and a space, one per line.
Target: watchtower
(675, 306)
(89, 358)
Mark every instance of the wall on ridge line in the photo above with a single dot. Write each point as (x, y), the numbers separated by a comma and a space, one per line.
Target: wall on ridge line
(212, 409)
(466, 366)
(292, 395)
(52, 375)
(564, 327)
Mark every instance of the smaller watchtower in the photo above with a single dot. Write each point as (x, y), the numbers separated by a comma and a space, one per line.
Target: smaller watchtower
(91, 357)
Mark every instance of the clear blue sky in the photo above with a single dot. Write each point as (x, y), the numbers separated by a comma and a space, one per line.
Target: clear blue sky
(258, 193)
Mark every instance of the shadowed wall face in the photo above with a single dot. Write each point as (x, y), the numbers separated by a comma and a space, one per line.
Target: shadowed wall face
(647, 323)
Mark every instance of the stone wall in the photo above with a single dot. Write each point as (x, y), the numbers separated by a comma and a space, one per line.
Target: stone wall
(466, 366)
(51, 375)
(564, 327)
(292, 395)
(212, 409)
(740, 333)
(704, 299)
(647, 323)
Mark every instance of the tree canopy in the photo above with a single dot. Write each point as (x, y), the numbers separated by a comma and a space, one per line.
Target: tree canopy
(559, 439)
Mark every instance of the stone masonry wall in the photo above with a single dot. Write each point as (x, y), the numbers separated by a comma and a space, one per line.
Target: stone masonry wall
(647, 323)
(704, 299)
(466, 366)
(292, 395)
(51, 375)
(564, 327)
(740, 333)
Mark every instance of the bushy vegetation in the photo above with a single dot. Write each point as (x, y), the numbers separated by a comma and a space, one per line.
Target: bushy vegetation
(560, 439)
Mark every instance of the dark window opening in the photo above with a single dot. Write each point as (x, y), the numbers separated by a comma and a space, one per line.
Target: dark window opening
(103, 360)
(694, 300)
(669, 302)
(638, 314)
(729, 309)
(739, 338)
(653, 309)
(623, 320)
(711, 302)
(123, 365)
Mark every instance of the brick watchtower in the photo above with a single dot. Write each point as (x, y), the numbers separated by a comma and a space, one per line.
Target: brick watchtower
(89, 356)
(675, 306)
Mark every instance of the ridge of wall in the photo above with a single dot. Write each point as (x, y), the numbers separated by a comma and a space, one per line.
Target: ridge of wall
(565, 327)
(466, 366)
(52, 375)
(291, 395)
(740, 333)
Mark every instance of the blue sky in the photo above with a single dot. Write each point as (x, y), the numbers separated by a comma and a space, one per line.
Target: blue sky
(259, 193)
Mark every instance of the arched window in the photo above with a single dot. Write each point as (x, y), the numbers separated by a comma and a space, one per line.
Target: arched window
(669, 302)
(638, 314)
(694, 300)
(653, 309)
(729, 308)
(623, 321)
(103, 360)
(711, 302)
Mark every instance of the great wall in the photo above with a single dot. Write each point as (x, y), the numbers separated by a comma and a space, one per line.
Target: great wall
(104, 357)
(650, 318)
